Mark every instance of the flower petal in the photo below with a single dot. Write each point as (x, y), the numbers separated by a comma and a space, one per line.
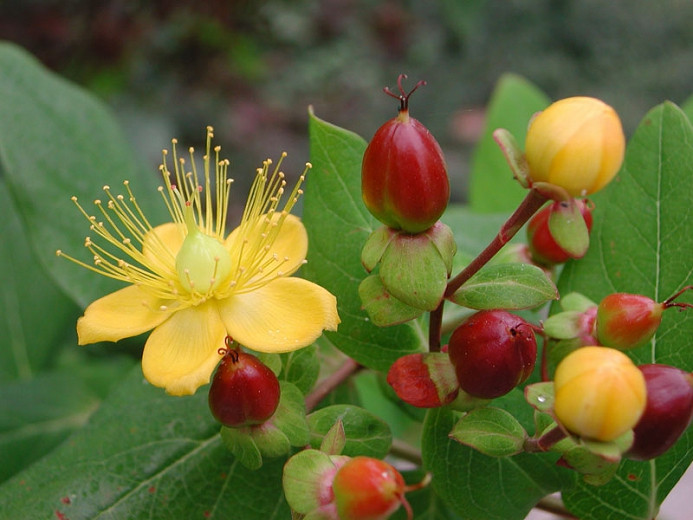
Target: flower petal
(291, 243)
(122, 314)
(284, 315)
(181, 353)
(161, 244)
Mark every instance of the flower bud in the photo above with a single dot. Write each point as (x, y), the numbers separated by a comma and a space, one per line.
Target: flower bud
(576, 143)
(493, 352)
(404, 179)
(668, 412)
(600, 393)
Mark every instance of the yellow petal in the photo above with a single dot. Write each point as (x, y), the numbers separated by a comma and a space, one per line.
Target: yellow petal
(284, 315)
(291, 243)
(161, 244)
(181, 353)
(122, 314)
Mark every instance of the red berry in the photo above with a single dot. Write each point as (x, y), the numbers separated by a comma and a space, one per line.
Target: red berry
(244, 391)
(367, 489)
(626, 321)
(542, 245)
(404, 179)
(424, 380)
(493, 352)
(668, 411)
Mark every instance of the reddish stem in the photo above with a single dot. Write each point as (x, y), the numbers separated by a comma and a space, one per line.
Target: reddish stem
(348, 368)
(528, 207)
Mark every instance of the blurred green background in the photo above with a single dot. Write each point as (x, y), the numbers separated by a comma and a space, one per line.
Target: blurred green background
(251, 68)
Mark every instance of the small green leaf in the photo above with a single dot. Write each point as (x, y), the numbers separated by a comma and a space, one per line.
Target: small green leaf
(366, 434)
(492, 187)
(492, 431)
(506, 286)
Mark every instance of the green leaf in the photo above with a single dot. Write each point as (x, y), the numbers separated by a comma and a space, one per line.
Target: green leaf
(479, 487)
(366, 434)
(506, 286)
(290, 416)
(687, 108)
(145, 455)
(338, 225)
(301, 368)
(33, 312)
(641, 243)
(492, 431)
(36, 415)
(492, 186)
(59, 141)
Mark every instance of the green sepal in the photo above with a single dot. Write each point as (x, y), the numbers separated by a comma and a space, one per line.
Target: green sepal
(510, 286)
(383, 308)
(596, 461)
(413, 271)
(564, 325)
(240, 442)
(465, 402)
(514, 155)
(492, 431)
(575, 301)
(305, 475)
(568, 228)
(540, 396)
(375, 246)
(444, 239)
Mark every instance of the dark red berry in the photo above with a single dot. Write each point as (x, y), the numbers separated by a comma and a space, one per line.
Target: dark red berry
(668, 411)
(404, 179)
(367, 489)
(244, 391)
(493, 352)
(542, 245)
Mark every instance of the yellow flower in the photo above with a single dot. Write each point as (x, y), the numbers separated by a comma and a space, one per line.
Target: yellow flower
(193, 284)
(600, 393)
(576, 143)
